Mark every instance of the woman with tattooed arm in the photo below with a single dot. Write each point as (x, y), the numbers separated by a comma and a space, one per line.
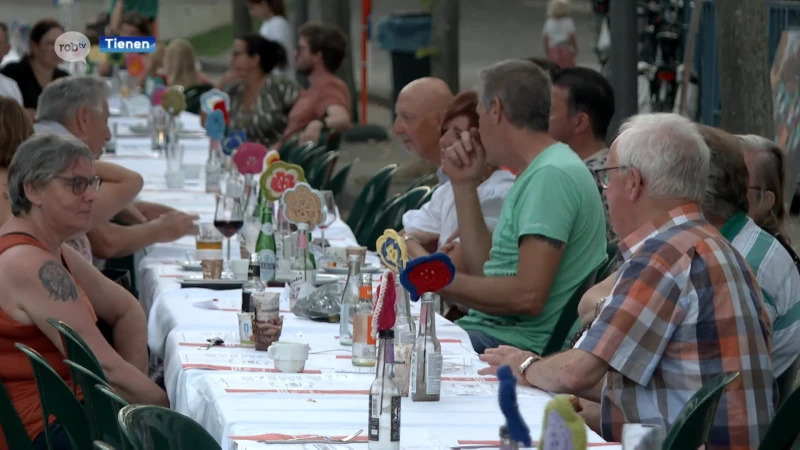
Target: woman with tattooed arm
(51, 188)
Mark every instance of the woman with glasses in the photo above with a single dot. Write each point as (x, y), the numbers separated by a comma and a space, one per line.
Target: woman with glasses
(51, 190)
(767, 170)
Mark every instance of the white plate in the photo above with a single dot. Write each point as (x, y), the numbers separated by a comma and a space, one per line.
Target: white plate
(191, 266)
(369, 268)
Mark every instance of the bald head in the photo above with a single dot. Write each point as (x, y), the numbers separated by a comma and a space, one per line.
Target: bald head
(420, 110)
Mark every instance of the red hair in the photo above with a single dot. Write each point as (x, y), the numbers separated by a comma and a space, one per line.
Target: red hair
(464, 103)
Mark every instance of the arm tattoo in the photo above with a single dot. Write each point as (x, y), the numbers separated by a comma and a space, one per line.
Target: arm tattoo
(58, 282)
(555, 243)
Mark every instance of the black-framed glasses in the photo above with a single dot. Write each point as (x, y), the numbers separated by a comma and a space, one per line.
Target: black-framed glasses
(603, 174)
(81, 184)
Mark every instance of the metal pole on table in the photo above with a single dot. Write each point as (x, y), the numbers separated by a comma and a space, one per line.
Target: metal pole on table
(624, 59)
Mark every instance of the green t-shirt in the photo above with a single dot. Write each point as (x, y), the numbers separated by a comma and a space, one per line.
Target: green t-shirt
(148, 8)
(557, 197)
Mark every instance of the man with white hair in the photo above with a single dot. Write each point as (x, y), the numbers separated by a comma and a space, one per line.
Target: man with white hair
(79, 106)
(685, 307)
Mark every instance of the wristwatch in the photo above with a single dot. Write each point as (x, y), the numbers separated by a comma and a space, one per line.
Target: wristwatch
(527, 363)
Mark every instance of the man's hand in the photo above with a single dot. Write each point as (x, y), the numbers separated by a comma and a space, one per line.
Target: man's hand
(131, 215)
(312, 132)
(175, 225)
(451, 243)
(505, 355)
(152, 211)
(464, 162)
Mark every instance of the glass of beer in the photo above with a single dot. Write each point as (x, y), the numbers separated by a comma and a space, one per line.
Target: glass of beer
(209, 242)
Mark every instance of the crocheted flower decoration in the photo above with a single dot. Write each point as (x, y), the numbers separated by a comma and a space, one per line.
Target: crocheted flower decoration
(425, 274)
(249, 159)
(222, 106)
(158, 95)
(279, 177)
(210, 98)
(302, 204)
(232, 141)
(135, 64)
(272, 156)
(215, 125)
(174, 101)
(392, 250)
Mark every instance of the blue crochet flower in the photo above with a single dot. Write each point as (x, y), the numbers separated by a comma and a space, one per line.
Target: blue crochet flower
(425, 274)
(215, 125)
(517, 428)
(233, 141)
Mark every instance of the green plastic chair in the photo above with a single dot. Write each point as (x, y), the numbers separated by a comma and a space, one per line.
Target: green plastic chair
(100, 409)
(11, 424)
(339, 179)
(296, 154)
(566, 321)
(112, 406)
(411, 200)
(694, 422)
(308, 158)
(370, 199)
(787, 380)
(57, 400)
(193, 94)
(331, 140)
(425, 180)
(100, 445)
(288, 146)
(783, 430)
(78, 350)
(320, 170)
(385, 218)
(156, 428)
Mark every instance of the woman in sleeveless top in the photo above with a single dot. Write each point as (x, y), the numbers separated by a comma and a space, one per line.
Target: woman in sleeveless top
(51, 189)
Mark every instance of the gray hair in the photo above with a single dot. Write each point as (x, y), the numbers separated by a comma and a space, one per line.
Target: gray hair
(669, 152)
(523, 90)
(726, 191)
(61, 99)
(37, 161)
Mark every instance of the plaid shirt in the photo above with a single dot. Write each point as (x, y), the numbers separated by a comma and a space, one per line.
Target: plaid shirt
(685, 308)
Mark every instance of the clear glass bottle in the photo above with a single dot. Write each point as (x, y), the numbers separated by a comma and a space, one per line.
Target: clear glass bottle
(384, 399)
(253, 283)
(363, 343)
(349, 300)
(405, 332)
(426, 360)
(214, 166)
(506, 443)
(303, 271)
(265, 246)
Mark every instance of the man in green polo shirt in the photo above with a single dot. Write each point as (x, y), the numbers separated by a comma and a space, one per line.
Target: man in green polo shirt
(551, 232)
(147, 8)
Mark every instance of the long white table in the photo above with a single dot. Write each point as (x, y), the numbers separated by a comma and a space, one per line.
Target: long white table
(235, 392)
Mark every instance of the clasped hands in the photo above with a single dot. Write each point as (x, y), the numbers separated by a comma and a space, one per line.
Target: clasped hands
(464, 162)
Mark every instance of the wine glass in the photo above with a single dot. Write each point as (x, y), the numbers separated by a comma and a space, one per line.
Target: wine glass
(228, 218)
(329, 203)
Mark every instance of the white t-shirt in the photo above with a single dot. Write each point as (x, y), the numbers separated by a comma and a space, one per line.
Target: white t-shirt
(558, 31)
(438, 216)
(278, 29)
(9, 88)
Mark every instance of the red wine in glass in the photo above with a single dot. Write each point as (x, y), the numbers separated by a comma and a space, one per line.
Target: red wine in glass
(228, 227)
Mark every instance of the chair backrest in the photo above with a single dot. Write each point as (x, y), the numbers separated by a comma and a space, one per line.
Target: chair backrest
(425, 180)
(288, 146)
(112, 406)
(694, 422)
(320, 169)
(100, 445)
(100, 409)
(156, 428)
(77, 349)
(787, 380)
(370, 198)
(295, 155)
(339, 179)
(783, 430)
(384, 219)
(11, 424)
(58, 400)
(308, 158)
(566, 321)
(193, 94)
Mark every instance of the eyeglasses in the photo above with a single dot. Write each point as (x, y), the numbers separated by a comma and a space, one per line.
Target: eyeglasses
(603, 175)
(81, 184)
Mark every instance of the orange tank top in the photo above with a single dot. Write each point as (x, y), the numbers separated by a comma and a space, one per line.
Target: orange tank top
(15, 367)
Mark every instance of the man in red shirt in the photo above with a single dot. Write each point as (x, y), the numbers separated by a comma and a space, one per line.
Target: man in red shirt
(325, 105)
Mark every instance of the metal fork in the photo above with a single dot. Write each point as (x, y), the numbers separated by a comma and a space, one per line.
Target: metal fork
(316, 439)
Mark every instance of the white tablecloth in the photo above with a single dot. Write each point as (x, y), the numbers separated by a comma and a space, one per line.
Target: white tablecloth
(234, 391)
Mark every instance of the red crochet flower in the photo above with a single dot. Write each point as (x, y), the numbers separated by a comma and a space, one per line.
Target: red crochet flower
(281, 181)
(249, 158)
(430, 273)
(220, 106)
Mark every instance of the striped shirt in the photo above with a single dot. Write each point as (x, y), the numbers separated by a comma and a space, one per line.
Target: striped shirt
(779, 281)
(685, 308)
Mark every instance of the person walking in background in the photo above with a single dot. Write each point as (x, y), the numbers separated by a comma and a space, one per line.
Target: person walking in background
(558, 34)
(275, 28)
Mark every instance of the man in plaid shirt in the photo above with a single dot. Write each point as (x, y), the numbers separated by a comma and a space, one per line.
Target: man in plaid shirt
(685, 307)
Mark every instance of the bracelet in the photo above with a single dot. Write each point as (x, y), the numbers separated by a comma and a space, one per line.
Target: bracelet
(599, 306)
(411, 237)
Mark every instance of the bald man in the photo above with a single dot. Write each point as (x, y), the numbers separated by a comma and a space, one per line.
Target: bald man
(420, 110)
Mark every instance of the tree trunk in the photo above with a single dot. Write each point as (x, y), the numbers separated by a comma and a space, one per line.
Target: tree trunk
(746, 95)
(241, 18)
(445, 63)
(338, 13)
